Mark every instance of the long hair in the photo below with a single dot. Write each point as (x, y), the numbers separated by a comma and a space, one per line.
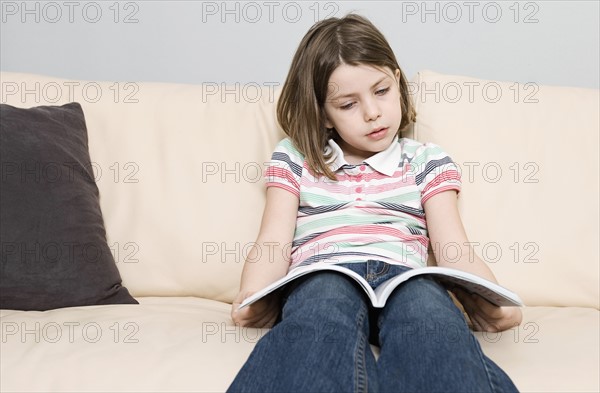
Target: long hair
(351, 40)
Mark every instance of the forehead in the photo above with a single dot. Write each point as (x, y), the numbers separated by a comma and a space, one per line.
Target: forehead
(349, 79)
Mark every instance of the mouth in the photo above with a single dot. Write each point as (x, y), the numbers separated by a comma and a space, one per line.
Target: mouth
(378, 133)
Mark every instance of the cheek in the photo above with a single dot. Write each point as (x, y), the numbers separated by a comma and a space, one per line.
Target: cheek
(396, 105)
(342, 119)
(393, 108)
(352, 123)
(329, 120)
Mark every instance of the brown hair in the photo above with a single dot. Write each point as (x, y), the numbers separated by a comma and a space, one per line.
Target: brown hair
(351, 40)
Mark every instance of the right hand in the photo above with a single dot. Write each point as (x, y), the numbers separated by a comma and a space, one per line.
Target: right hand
(260, 314)
(486, 316)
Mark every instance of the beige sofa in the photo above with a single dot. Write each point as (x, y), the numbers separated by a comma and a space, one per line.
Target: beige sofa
(179, 172)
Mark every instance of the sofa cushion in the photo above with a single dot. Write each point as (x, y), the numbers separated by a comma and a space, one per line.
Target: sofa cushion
(54, 249)
(529, 160)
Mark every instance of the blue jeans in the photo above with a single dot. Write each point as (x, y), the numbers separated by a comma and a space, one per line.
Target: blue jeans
(321, 341)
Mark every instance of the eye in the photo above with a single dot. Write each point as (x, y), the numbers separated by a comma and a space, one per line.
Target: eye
(347, 106)
(382, 91)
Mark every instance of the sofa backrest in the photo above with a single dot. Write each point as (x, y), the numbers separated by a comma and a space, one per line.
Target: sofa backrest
(529, 161)
(179, 168)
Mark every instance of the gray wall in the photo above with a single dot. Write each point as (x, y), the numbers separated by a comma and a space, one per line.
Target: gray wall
(546, 42)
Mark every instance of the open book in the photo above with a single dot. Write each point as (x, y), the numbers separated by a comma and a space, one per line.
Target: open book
(492, 292)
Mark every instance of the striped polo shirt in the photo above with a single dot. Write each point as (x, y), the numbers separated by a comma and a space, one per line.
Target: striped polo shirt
(373, 211)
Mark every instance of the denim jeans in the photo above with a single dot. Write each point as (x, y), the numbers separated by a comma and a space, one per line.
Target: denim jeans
(321, 340)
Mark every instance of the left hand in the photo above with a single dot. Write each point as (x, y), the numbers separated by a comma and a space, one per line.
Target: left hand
(486, 316)
(261, 314)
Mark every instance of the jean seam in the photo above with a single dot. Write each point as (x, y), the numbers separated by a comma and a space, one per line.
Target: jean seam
(386, 268)
(360, 379)
(494, 387)
(372, 275)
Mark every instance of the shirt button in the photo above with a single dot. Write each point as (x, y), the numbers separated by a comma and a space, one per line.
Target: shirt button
(362, 167)
(358, 189)
(359, 199)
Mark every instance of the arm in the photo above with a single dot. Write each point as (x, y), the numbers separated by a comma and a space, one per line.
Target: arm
(268, 260)
(445, 227)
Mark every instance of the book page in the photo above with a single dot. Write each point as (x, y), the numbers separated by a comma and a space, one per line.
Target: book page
(492, 292)
(301, 271)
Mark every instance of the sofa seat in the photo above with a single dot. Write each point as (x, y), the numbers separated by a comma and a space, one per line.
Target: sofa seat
(158, 345)
(183, 343)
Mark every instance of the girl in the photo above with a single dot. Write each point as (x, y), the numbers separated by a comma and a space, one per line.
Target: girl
(344, 188)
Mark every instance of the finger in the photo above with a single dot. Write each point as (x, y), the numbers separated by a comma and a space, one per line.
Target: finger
(487, 308)
(244, 317)
(477, 305)
(271, 322)
(255, 315)
(269, 316)
(467, 302)
(267, 321)
(465, 299)
(476, 311)
(486, 326)
(475, 321)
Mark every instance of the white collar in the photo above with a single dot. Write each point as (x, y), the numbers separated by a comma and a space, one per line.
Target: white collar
(385, 161)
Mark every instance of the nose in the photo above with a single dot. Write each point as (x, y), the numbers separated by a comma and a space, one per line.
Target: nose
(371, 110)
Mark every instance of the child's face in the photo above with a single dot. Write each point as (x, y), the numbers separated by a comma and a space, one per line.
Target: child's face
(363, 105)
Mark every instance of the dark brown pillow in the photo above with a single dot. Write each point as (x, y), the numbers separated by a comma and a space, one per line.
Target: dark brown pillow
(53, 241)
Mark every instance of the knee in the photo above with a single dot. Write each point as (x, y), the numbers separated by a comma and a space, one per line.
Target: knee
(423, 300)
(325, 294)
(323, 285)
(421, 312)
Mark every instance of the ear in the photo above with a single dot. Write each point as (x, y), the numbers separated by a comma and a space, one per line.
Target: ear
(397, 75)
(328, 124)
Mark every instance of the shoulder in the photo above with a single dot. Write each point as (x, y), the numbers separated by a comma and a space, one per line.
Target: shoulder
(430, 164)
(286, 151)
(286, 161)
(415, 148)
(286, 145)
(422, 152)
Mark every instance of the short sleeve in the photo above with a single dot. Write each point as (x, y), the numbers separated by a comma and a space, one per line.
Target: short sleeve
(285, 168)
(435, 171)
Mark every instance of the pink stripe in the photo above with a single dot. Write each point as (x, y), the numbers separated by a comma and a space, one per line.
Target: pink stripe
(326, 247)
(274, 172)
(372, 175)
(381, 211)
(369, 229)
(438, 190)
(349, 187)
(441, 178)
(285, 187)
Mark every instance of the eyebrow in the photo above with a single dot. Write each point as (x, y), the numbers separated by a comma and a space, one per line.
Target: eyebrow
(335, 97)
